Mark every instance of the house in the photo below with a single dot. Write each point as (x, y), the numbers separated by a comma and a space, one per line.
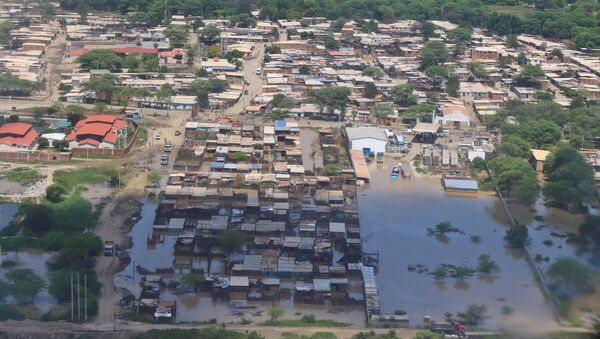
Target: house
(97, 131)
(17, 136)
(524, 93)
(367, 139)
(539, 158)
(452, 116)
(484, 54)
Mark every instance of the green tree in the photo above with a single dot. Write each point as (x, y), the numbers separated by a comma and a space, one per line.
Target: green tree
(275, 312)
(272, 49)
(452, 85)
(529, 76)
(100, 59)
(511, 41)
(25, 284)
(177, 36)
(55, 192)
(459, 35)
(572, 275)
(515, 178)
(280, 100)
(43, 143)
(240, 156)
(382, 109)
(477, 69)
(153, 177)
(232, 240)
(12, 85)
(486, 264)
(304, 70)
(427, 30)
(517, 236)
(543, 95)
(210, 33)
(474, 314)
(103, 86)
(370, 90)
(213, 51)
(332, 98)
(331, 170)
(436, 75)
(433, 54)
(373, 71)
(37, 217)
(404, 94)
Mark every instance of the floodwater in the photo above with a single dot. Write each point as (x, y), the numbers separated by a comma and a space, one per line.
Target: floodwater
(201, 307)
(34, 260)
(7, 214)
(394, 217)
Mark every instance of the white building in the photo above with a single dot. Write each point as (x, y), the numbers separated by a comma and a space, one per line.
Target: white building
(367, 139)
(455, 116)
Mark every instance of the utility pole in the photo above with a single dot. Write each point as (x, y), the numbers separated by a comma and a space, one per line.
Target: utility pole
(72, 297)
(78, 300)
(85, 295)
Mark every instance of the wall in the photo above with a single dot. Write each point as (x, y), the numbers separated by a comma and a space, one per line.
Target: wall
(111, 152)
(374, 145)
(35, 156)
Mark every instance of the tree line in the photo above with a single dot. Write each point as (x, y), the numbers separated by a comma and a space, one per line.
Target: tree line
(551, 19)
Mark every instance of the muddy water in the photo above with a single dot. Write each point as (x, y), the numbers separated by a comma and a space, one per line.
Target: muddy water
(395, 215)
(7, 214)
(36, 261)
(200, 307)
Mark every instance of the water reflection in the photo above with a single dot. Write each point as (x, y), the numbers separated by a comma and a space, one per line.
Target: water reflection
(398, 212)
(7, 213)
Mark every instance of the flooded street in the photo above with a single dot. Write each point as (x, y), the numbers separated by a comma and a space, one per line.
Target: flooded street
(395, 215)
(201, 307)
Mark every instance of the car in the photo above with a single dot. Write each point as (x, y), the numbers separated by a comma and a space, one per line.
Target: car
(258, 71)
(177, 133)
(164, 159)
(157, 136)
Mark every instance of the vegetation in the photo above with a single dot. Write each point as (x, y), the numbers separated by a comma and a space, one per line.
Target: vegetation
(572, 277)
(232, 240)
(486, 264)
(404, 95)
(383, 109)
(515, 178)
(389, 335)
(55, 193)
(570, 178)
(24, 283)
(23, 175)
(433, 54)
(203, 333)
(201, 88)
(9, 312)
(317, 335)
(331, 170)
(517, 236)
(474, 314)
(12, 85)
(280, 100)
(308, 320)
(153, 177)
(332, 98)
(69, 179)
(101, 59)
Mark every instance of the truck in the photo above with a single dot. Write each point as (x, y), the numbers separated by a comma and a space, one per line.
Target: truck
(168, 147)
(164, 159)
(108, 248)
(448, 328)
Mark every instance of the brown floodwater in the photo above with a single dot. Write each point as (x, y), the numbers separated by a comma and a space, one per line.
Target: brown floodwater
(34, 260)
(394, 217)
(200, 307)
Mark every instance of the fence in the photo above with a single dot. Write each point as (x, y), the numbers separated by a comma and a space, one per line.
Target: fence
(35, 156)
(112, 152)
(537, 272)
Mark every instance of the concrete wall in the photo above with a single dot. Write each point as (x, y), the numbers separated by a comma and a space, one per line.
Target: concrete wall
(36, 156)
(374, 145)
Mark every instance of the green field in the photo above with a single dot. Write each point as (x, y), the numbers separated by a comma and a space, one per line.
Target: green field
(519, 11)
(23, 175)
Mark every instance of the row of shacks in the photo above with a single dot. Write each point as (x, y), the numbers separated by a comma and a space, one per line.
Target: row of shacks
(300, 231)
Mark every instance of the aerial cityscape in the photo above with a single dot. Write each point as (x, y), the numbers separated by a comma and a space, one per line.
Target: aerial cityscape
(300, 169)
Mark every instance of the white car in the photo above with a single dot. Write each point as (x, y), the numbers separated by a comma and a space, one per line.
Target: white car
(258, 71)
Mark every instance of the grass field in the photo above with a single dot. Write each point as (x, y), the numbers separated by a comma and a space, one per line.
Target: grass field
(305, 323)
(23, 175)
(70, 179)
(519, 11)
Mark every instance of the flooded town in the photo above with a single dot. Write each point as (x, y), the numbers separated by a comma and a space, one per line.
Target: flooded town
(280, 169)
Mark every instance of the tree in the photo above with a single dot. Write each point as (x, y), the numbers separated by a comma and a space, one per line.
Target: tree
(436, 75)
(304, 70)
(272, 49)
(474, 314)
(529, 76)
(427, 30)
(213, 51)
(210, 33)
(332, 98)
(338, 24)
(511, 41)
(459, 35)
(572, 276)
(373, 71)
(275, 312)
(383, 109)
(543, 96)
(100, 59)
(37, 217)
(25, 284)
(12, 85)
(232, 240)
(331, 170)
(433, 54)
(540, 133)
(452, 85)
(486, 264)
(43, 142)
(570, 178)
(153, 177)
(240, 156)
(477, 69)
(331, 42)
(177, 35)
(403, 94)
(517, 236)
(55, 192)
(102, 85)
(280, 100)
(589, 230)
(370, 90)
(515, 178)
(513, 146)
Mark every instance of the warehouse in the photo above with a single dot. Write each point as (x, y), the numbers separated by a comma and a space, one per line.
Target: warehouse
(367, 139)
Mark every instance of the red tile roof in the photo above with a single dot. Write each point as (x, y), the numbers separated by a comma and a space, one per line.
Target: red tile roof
(89, 142)
(15, 128)
(100, 118)
(94, 129)
(110, 137)
(102, 127)
(79, 52)
(24, 141)
(135, 50)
